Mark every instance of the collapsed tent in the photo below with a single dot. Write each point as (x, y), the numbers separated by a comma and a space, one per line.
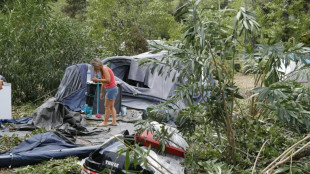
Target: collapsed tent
(62, 112)
(42, 147)
(141, 87)
(294, 70)
(73, 89)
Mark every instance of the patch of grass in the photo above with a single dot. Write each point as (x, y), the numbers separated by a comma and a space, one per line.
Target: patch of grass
(23, 111)
(9, 142)
(61, 166)
(6, 171)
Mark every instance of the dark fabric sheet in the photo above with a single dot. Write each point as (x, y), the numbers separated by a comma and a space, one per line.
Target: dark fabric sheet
(71, 91)
(53, 115)
(42, 147)
(20, 121)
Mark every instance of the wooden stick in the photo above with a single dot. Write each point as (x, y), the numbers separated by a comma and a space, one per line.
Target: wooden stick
(258, 156)
(287, 158)
(285, 153)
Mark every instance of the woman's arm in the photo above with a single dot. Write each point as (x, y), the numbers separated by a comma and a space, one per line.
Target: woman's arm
(101, 91)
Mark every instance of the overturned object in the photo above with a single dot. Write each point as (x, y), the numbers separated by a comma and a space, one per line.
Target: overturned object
(108, 158)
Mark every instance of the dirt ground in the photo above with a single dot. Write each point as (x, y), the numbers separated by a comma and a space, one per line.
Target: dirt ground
(245, 84)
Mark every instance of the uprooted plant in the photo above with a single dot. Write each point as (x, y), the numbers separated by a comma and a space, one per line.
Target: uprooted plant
(200, 66)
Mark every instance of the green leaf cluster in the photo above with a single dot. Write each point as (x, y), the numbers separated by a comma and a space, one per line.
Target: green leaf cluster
(59, 166)
(284, 19)
(123, 26)
(36, 47)
(289, 101)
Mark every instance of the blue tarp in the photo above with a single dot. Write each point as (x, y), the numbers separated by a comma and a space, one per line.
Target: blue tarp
(21, 121)
(71, 91)
(42, 147)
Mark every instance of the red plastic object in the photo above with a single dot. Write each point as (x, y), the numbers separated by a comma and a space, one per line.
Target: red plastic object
(147, 139)
(98, 115)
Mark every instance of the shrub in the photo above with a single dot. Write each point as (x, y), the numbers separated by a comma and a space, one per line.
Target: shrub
(36, 47)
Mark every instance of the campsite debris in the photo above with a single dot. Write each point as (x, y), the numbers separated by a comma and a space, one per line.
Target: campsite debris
(286, 155)
(41, 147)
(108, 158)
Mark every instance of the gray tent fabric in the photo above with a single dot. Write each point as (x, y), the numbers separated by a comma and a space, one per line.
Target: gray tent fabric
(53, 115)
(135, 72)
(48, 115)
(71, 91)
(145, 88)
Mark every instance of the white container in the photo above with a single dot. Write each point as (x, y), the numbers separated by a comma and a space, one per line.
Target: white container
(5, 102)
(88, 76)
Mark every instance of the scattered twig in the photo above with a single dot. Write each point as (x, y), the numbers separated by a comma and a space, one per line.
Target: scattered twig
(284, 156)
(258, 156)
(287, 158)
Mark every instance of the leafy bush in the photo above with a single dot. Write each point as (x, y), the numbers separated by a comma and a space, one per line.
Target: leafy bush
(284, 19)
(36, 47)
(114, 22)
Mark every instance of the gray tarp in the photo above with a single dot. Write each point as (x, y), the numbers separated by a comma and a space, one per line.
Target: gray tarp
(53, 115)
(144, 87)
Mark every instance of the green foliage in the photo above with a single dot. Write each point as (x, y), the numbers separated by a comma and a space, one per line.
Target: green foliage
(284, 19)
(252, 133)
(123, 26)
(289, 101)
(24, 110)
(7, 142)
(215, 167)
(59, 166)
(269, 60)
(36, 47)
(135, 156)
(199, 65)
(76, 8)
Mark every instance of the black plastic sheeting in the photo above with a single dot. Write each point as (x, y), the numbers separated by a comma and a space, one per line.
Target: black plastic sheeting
(53, 115)
(42, 147)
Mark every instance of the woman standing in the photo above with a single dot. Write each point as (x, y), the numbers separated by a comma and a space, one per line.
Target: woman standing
(109, 83)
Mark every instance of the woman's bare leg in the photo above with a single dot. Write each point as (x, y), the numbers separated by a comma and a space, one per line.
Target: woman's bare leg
(108, 111)
(113, 112)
